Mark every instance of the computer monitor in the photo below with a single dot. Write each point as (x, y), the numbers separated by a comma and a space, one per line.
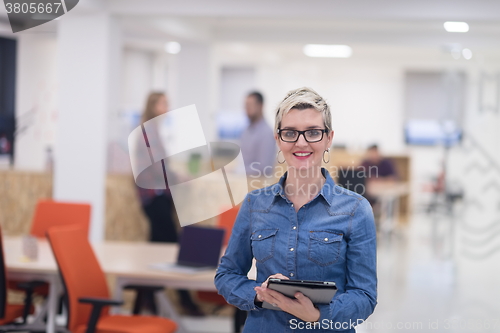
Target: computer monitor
(200, 246)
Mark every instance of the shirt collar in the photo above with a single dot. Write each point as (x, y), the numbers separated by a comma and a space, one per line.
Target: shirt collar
(258, 123)
(326, 191)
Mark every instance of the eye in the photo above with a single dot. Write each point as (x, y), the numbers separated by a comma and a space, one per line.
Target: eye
(288, 134)
(314, 132)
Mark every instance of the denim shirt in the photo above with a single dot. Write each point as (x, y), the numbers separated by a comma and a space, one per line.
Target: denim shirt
(331, 238)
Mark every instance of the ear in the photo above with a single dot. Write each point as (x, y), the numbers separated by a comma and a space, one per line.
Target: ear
(276, 137)
(330, 138)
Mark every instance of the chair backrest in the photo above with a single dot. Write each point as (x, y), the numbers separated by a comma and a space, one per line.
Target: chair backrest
(49, 213)
(3, 280)
(81, 273)
(226, 222)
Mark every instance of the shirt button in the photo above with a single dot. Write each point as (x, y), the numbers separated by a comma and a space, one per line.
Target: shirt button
(260, 236)
(291, 274)
(326, 239)
(294, 228)
(291, 249)
(292, 205)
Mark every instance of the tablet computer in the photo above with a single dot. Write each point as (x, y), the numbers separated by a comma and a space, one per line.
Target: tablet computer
(319, 292)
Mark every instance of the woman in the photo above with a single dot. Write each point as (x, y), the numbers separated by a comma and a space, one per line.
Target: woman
(304, 227)
(158, 204)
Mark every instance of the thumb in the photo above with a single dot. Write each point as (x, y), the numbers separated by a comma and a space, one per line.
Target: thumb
(299, 296)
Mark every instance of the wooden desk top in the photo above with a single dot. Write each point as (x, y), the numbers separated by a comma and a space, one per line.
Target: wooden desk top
(124, 259)
(387, 189)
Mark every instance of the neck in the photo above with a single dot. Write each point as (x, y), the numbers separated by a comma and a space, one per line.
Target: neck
(304, 183)
(256, 119)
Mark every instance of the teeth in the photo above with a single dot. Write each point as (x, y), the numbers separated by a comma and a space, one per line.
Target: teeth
(302, 154)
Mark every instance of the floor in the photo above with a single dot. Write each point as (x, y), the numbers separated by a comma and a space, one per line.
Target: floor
(439, 275)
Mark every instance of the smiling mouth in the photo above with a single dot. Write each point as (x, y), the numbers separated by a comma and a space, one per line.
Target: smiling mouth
(302, 154)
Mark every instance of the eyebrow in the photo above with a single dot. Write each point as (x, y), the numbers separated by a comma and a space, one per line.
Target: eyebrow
(294, 128)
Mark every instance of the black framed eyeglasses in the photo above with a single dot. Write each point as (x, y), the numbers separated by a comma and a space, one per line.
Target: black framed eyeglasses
(312, 135)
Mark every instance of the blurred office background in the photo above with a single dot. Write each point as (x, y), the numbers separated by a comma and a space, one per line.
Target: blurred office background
(427, 93)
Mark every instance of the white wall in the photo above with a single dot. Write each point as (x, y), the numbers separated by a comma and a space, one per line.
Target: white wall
(36, 99)
(235, 84)
(137, 82)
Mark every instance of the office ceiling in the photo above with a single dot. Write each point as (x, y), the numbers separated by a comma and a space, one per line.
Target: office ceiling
(395, 22)
(382, 22)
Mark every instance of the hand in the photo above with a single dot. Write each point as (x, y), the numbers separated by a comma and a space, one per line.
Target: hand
(301, 307)
(264, 284)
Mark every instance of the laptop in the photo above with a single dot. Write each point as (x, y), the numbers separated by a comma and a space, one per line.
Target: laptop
(352, 179)
(199, 249)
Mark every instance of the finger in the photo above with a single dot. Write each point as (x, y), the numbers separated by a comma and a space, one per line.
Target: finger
(303, 299)
(270, 295)
(265, 297)
(276, 295)
(274, 276)
(299, 296)
(264, 294)
(257, 292)
(277, 276)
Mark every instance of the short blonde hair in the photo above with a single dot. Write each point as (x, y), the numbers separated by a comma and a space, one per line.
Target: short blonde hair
(303, 98)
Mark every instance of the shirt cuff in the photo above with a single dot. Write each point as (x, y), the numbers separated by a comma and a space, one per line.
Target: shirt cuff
(324, 312)
(257, 303)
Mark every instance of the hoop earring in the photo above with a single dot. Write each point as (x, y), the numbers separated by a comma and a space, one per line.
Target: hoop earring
(278, 157)
(326, 151)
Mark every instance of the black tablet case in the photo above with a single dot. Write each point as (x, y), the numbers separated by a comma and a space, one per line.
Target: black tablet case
(319, 292)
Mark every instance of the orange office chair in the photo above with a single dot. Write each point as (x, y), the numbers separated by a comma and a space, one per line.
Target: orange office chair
(226, 222)
(88, 295)
(8, 312)
(49, 213)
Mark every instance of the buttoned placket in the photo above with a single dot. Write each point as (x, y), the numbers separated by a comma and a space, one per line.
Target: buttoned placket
(292, 243)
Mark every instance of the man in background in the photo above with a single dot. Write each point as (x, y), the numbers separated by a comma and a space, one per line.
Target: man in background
(257, 142)
(377, 167)
(378, 170)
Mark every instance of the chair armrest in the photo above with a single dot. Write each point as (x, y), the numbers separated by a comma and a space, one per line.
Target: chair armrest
(97, 305)
(96, 301)
(145, 288)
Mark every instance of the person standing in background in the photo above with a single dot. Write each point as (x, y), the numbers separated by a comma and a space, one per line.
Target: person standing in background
(258, 146)
(158, 205)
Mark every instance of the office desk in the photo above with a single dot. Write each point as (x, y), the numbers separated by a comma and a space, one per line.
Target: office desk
(128, 262)
(388, 195)
(45, 269)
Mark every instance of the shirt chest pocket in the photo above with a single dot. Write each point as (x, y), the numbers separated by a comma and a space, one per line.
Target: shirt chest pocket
(263, 244)
(324, 247)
